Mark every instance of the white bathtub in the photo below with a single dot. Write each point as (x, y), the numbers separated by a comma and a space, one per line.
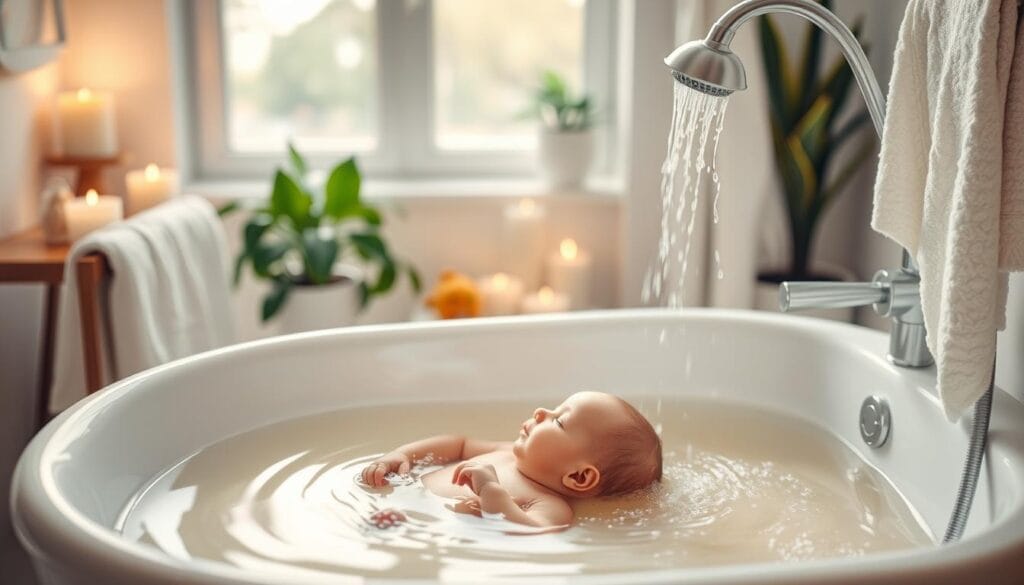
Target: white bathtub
(78, 473)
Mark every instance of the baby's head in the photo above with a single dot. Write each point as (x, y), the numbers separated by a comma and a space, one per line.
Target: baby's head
(593, 444)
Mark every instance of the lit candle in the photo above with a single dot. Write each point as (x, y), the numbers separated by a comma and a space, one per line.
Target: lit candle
(569, 273)
(91, 212)
(86, 124)
(545, 301)
(150, 186)
(522, 242)
(501, 294)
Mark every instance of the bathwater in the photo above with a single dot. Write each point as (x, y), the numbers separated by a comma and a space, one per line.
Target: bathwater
(740, 486)
(688, 170)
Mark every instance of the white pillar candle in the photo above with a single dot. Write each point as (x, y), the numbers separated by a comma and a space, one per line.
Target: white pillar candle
(91, 212)
(150, 186)
(522, 242)
(86, 124)
(501, 294)
(569, 273)
(545, 301)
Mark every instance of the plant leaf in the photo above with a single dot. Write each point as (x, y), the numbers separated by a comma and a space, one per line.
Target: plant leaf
(370, 246)
(812, 129)
(773, 52)
(809, 68)
(229, 208)
(386, 280)
(298, 163)
(275, 299)
(342, 190)
(289, 200)
(239, 264)
(265, 255)
(414, 280)
(254, 230)
(319, 253)
(849, 129)
(847, 172)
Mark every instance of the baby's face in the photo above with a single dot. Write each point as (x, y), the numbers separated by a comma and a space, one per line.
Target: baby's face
(554, 442)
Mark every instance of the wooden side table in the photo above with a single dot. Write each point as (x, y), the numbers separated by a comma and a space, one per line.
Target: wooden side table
(26, 258)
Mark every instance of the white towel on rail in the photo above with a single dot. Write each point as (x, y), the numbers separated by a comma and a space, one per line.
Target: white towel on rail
(950, 184)
(167, 296)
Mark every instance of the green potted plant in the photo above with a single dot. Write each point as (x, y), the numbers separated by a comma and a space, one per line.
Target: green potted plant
(318, 252)
(808, 129)
(566, 141)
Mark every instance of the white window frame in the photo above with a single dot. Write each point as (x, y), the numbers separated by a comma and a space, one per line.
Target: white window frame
(405, 145)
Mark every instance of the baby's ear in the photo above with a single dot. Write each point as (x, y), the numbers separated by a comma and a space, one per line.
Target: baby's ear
(583, 479)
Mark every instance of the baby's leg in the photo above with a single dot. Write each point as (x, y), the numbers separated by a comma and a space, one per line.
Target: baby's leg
(387, 518)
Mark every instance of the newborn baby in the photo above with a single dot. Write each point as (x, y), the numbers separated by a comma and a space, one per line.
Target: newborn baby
(593, 444)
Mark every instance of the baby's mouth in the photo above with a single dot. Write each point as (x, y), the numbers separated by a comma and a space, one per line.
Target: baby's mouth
(525, 430)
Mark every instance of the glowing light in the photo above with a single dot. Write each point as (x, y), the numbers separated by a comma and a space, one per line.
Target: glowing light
(546, 295)
(92, 198)
(568, 249)
(527, 205)
(500, 281)
(152, 172)
(84, 94)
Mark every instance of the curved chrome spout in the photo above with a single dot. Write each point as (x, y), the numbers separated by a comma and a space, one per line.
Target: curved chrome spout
(712, 67)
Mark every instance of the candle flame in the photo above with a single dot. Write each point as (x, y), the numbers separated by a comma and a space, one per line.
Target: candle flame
(92, 198)
(500, 281)
(84, 94)
(526, 205)
(568, 249)
(546, 295)
(152, 172)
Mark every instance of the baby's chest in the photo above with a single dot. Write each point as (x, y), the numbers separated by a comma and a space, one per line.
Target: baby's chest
(440, 482)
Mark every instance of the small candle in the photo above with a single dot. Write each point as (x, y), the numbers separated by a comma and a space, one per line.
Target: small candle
(91, 212)
(569, 273)
(545, 301)
(501, 294)
(522, 242)
(86, 124)
(150, 186)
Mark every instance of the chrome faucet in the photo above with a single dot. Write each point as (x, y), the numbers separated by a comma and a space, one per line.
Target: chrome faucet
(710, 66)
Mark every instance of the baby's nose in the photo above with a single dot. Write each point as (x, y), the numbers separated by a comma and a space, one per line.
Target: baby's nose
(540, 414)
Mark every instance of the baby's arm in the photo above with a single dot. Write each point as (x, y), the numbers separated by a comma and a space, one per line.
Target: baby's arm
(545, 511)
(443, 448)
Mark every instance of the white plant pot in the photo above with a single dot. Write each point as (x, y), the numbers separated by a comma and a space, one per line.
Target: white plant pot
(565, 156)
(766, 296)
(324, 306)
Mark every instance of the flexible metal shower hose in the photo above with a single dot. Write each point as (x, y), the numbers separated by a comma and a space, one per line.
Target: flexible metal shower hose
(972, 467)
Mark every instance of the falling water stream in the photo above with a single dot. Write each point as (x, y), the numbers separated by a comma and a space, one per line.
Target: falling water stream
(688, 170)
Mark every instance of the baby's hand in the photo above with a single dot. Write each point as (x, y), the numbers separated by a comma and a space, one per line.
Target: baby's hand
(467, 505)
(475, 475)
(395, 461)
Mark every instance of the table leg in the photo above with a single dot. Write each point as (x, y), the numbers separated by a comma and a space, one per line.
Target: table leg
(46, 364)
(90, 275)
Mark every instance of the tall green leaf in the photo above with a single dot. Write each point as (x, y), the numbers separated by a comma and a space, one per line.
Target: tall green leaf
(319, 253)
(342, 190)
(276, 298)
(298, 163)
(773, 51)
(289, 200)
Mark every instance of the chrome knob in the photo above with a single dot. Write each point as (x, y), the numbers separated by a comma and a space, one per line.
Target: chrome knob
(875, 421)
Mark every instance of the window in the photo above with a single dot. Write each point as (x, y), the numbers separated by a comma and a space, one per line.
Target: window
(413, 88)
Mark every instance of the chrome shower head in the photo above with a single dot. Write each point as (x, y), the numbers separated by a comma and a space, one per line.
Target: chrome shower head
(707, 67)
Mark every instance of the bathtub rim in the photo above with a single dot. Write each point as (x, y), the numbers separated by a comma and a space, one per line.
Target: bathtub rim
(57, 525)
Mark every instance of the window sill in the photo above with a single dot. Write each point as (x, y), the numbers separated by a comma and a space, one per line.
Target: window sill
(601, 190)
